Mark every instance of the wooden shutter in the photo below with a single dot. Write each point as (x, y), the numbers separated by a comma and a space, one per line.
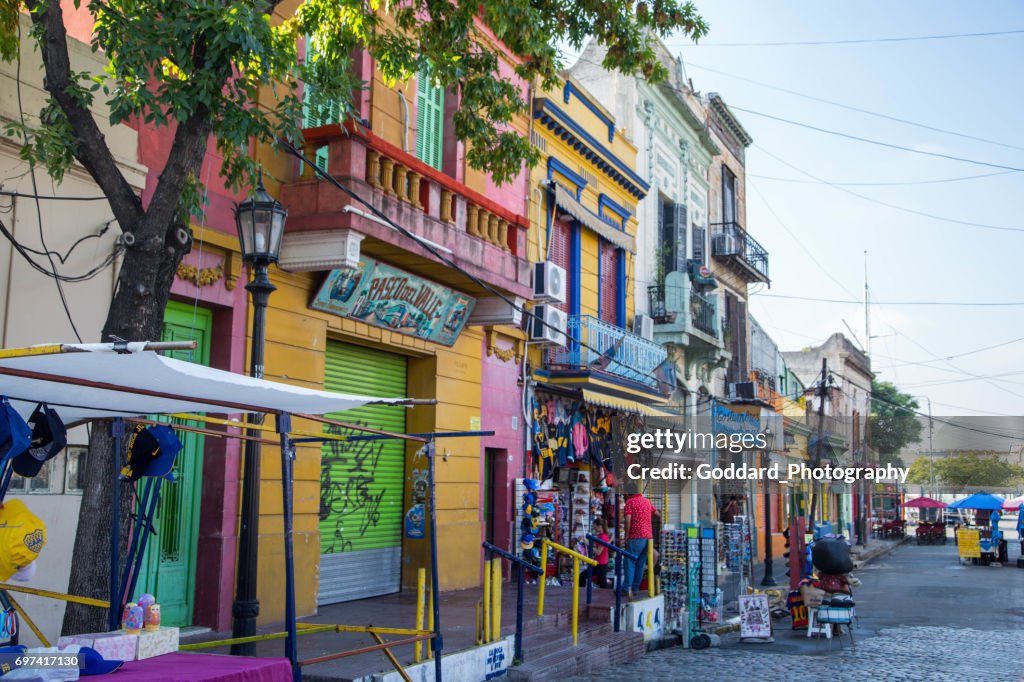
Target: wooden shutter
(318, 111)
(699, 237)
(558, 253)
(429, 120)
(667, 223)
(609, 282)
(680, 237)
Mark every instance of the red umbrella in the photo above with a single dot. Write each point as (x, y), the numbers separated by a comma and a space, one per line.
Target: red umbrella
(924, 503)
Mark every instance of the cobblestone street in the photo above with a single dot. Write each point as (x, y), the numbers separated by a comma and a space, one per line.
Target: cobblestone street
(921, 617)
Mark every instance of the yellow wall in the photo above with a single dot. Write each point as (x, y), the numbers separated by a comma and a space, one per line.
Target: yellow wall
(295, 353)
(598, 183)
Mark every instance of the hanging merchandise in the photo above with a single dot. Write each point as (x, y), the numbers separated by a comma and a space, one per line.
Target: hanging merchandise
(48, 438)
(22, 537)
(151, 452)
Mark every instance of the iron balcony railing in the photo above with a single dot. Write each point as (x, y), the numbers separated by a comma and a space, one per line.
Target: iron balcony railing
(607, 348)
(657, 304)
(730, 240)
(702, 309)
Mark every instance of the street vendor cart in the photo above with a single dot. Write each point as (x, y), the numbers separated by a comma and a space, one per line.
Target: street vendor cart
(991, 543)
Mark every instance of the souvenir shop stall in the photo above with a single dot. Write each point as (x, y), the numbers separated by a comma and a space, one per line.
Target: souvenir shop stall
(128, 384)
(575, 474)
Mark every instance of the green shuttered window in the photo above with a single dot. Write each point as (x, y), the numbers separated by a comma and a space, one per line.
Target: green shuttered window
(429, 120)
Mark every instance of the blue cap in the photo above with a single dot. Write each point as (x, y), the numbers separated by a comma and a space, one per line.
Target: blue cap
(15, 435)
(92, 662)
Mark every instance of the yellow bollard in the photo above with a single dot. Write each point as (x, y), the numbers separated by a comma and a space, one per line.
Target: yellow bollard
(575, 599)
(650, 568)
(496, 598)
(430, 621)
(421, 584)
(487, 601)
(543, 576)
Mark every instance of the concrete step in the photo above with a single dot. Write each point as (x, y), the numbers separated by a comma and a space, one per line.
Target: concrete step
(539, 645)
(594, 654)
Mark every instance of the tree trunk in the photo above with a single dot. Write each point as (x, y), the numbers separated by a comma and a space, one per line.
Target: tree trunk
(136, 314)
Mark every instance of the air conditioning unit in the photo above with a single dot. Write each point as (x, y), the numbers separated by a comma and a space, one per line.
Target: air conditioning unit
(547, 325)
(495, 310)
(726, 244)
(549, 282)
(643, 325)
(743, 390)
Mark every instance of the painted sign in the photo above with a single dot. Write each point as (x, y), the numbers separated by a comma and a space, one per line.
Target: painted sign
(734, 422)
(968, 543)
(646, 616)
(384, 296)
(755, 616)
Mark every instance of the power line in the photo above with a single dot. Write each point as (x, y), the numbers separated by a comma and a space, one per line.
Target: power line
(879, 143)
(860, 41)
(850, 107)
(897, 207)
(969, 304)
(878, 184)
(797, 240)
(957, 355)
(947, 422)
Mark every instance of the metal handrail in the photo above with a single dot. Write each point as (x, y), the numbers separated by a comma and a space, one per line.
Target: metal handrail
(576, 559)
(618, 575)
(522, 564)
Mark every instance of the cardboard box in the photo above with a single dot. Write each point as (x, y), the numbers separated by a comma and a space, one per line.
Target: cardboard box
(113, 646)
(156, 643)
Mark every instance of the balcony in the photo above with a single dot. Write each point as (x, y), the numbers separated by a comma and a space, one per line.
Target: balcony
(683, 315)
(731, 244)
(480, 235)
(608, 350)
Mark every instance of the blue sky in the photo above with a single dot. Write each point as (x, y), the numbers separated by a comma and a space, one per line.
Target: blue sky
(970, 85)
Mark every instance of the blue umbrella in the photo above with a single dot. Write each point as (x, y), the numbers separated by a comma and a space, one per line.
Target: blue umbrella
(978, 501)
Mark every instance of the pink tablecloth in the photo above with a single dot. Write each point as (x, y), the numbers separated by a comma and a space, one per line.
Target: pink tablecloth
(186, 667)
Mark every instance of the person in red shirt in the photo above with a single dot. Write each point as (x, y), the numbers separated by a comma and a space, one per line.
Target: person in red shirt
(638, 513)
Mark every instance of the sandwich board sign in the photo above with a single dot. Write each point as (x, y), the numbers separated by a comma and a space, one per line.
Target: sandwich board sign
(755, 617)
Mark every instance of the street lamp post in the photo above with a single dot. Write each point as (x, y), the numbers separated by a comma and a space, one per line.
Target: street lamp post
(769, 578)
(260, 221)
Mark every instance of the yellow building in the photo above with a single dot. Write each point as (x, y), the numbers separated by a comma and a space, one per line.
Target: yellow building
(397, 323)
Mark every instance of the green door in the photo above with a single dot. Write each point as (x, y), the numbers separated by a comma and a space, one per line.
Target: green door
(362, 484)
(169, 566)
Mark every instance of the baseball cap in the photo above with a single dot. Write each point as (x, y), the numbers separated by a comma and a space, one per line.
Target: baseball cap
(22, 537)
(93, 663)
(15, 435)
(151, 452)
(48, 438)
(526, 542)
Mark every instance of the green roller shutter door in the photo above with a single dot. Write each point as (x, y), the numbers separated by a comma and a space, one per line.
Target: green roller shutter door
(362, 484)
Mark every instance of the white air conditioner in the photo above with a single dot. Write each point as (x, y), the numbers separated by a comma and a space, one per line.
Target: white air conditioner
(726, 244)
(643, 325)
(548, 325)
(495, 310)
(549, 282)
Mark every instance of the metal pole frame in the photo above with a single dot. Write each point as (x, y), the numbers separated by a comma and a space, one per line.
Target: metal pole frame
(246, 606)
(769, 570)
(436, 644)
(284, 423)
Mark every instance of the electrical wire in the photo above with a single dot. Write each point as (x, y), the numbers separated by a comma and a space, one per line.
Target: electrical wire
(23, 195)
(297, 153)
(859, 41)
(896, 207)
(968, 304)
(24, 253)
(867, 140)
(915, 412)
(906, 183)
(35, 191)
(860, 110)
(957, 355)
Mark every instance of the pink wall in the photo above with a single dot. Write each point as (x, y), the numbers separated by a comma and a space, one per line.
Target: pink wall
(501, 403)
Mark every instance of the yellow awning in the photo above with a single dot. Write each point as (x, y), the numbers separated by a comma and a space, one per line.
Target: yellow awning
(623, 404)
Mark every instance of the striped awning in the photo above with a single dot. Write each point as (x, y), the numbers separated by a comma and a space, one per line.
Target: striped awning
(623, 404)
(593, 222)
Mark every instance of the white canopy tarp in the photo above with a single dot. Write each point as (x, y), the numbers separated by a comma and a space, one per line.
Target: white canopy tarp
(144, 383)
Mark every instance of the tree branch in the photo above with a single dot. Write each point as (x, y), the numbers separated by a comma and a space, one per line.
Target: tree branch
(91, 148)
